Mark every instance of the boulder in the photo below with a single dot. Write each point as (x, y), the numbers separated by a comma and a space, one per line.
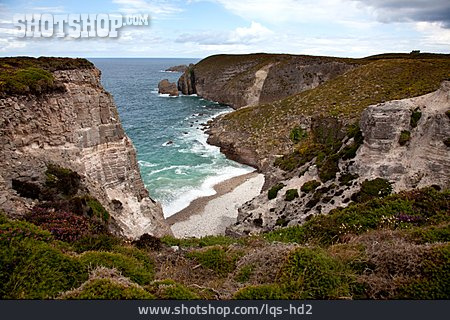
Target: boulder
(167, 87)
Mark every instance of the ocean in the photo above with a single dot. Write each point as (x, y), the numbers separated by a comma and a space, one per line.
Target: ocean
(177, 165)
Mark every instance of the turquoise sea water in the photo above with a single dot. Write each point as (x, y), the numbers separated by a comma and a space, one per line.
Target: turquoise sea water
(177, 164)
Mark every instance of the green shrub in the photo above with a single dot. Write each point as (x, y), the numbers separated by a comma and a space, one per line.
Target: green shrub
(415, 117)
(370, 189)
(329, 168)
(430, 234)
(108, 289)
(261, 292)
(349, 152)
(433, 279)
(3, 218)
(448, 113)
(405, 136)
(273, 192)
(244, 274)
(97, 210)
(297, 134)
(291, 194)
(290, 234)
(216, 259)
(170, 290)
(26, 80)
(347, 178)
(310, 186)
(313, 274)
(63, 180)
(97, 242)
(132, 265)
(31, 267)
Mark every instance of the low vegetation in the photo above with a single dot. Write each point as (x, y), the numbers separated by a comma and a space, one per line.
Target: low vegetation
(291, 194)
(273, 192)
(328, 257)
(25, 75)
(310, 186)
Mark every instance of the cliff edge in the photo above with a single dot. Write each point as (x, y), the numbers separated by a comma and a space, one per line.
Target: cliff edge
(251, 79)
(64, 117)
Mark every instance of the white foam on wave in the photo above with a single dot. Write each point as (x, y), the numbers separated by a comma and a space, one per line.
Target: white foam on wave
(206, 189)
(166, 95)
(167, 168)
(146, 164)
(189, 95)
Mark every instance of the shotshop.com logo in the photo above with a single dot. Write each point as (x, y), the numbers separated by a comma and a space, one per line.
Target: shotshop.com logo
(75, 25)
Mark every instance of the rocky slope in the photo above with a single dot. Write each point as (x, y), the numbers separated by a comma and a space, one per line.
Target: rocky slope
(74, 125)
(387, 160)
(243, 80)
(315, 136)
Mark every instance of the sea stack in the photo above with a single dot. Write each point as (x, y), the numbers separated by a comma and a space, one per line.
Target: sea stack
(167, 87)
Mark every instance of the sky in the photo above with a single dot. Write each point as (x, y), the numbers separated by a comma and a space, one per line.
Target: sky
(199, 28)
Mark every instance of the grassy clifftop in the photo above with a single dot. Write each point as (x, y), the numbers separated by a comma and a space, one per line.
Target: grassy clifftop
(24, 75)
(267, 127)
(384, 248)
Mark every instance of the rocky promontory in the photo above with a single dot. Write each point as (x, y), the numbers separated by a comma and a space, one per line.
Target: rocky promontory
(246, 80)
(73, 124)
(167, 87)
(381, 124)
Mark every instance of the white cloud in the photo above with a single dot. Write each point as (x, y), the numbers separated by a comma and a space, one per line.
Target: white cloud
(434, 34)
(156, 8)
(56, 9)
(240, 36)
(301, 11)
(256, 32)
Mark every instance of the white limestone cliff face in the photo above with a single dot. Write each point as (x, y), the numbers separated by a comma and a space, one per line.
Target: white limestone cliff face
(77, 128)
(422, 161)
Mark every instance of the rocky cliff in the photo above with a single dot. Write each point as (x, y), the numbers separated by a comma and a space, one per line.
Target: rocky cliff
(404, 148)
(246, 80)
(380, 125)
(74, 125)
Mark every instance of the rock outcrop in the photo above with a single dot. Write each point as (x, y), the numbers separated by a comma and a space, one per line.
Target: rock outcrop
(186, 83)
(409, 153)
(243, 80)
(77, 127)
(179, 68)
(422, 159)
(167, 87)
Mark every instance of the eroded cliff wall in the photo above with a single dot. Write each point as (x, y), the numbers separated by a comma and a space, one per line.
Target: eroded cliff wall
(405, 143)
(247, 80)
(76, 127)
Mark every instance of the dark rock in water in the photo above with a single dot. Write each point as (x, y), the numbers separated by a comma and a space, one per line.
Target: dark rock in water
(167, 87)
(168, 143)
(179, 68)
(186, 83)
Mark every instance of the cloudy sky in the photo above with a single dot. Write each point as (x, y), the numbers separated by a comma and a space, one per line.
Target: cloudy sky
(198, 28)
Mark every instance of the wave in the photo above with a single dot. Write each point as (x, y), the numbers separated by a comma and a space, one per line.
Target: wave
(167, 169)
(146, 164)
(206, 189)
(166, 95)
